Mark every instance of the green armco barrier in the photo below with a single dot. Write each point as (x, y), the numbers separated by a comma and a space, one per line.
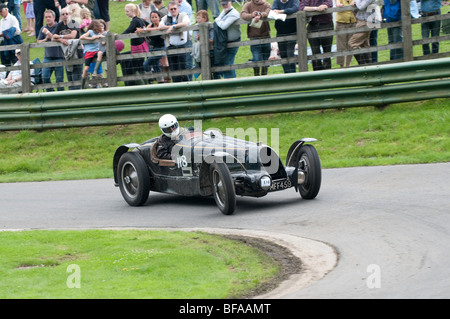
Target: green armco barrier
(338, 88)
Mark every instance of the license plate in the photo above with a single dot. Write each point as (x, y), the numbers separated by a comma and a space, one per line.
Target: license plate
(276, 185)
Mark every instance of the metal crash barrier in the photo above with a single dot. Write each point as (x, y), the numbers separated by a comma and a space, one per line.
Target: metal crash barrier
(377, 85)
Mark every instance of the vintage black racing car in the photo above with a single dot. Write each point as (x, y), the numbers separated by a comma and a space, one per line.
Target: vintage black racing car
(207, 163)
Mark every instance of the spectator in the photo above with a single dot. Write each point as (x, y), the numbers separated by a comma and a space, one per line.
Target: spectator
(14, 78)
(285, 28)
(159, 4)
(146, 8)
(10, 34)
(256, 11)
(101, 47)
(82, 15)
(176, 40)
(24, 6)
(86, 19)
(213, 5)
(433, 28)
(156, 43)
(318, 23)
(185, 7)
(90, 4)
(39, 9)
(67, 33)
(101, 11)
(392, 12)
(361, 39)
(226, 31)
(51, 54)
(202, 17)
(29, 16)
(138, 45)
(91, 50)
(14, 9)
(345, 20)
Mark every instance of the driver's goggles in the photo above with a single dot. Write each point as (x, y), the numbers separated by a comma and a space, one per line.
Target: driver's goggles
(171, 128)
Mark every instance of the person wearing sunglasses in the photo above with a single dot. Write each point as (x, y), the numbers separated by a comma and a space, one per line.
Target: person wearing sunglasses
(176, 40)
(66, 32)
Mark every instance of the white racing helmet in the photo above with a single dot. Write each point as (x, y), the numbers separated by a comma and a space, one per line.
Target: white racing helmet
(169, 125)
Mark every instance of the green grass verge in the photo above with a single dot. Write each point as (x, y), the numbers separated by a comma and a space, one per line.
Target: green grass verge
(128, 264)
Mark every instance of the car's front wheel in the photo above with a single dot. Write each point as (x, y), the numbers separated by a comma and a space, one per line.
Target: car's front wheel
(223, 188)
(134, 179)
(309, 164)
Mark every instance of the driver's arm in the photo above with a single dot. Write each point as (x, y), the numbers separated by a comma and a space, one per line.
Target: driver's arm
(164, 148)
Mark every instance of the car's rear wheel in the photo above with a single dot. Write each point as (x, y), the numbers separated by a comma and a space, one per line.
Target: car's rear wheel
(134, 179)
(309, 164)
(223, 188)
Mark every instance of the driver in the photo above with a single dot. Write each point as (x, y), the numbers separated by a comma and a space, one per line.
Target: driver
(171, 130)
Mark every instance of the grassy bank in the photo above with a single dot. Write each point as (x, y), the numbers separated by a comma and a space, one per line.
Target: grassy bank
(401, 134)
(128, 264)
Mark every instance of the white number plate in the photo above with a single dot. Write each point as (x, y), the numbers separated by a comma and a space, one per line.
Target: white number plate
(280, 185)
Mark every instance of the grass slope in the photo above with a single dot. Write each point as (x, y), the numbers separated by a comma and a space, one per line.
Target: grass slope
(401, 134)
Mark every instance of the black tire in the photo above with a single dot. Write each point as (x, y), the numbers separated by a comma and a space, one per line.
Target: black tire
(223, 188)
(309, 163)
(133, 178)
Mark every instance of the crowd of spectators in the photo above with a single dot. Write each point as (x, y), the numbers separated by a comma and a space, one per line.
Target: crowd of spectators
(65, 21)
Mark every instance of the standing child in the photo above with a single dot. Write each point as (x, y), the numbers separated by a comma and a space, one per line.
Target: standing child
(202, 17)
(91, 50)
(86, 19)
(102, 48)
(29, 15)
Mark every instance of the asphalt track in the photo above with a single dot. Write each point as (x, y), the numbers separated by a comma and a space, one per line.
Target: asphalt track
(372, 232)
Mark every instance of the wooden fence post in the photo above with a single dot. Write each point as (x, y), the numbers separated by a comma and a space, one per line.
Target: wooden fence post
(25, 67)
(302, 42)
(407, 31)
(205, 60)
(111, 60)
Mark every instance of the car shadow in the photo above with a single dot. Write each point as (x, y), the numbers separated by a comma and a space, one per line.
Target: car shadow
(244, 205)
